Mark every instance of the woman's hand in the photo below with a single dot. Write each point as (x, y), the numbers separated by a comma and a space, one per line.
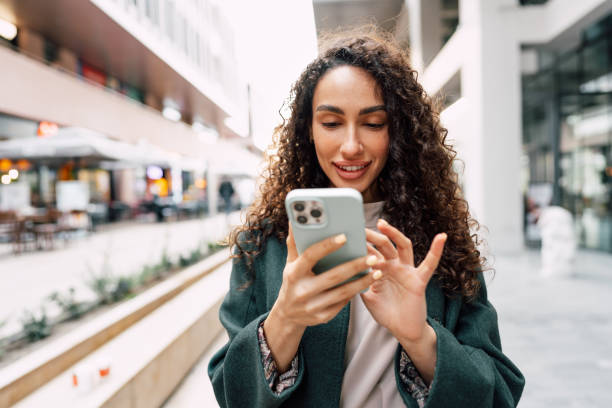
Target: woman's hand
(306, 299)
(397, 300)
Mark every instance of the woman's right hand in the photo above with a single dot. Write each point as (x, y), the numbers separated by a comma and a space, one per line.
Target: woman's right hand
(306, 299)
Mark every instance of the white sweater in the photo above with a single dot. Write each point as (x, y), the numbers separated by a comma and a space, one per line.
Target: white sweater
(369, 377)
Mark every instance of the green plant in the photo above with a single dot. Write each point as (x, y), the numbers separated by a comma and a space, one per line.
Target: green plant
(159, 270)
(124, 286)
(35, 327)
(68, 304)
(165, 264)
(184, 261)
(193, 257)
(102, 285)
(214, 247)
(145, 275)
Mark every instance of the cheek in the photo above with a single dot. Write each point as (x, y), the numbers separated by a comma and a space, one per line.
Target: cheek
(324, 147)
(381, 149)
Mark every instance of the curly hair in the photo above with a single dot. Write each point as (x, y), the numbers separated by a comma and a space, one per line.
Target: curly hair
(418, 182)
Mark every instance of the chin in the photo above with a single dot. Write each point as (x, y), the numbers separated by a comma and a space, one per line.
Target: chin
(357, 186)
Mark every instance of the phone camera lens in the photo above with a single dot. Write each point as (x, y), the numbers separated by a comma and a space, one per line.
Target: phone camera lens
(302, 220)
(298, 206)
(315, 213)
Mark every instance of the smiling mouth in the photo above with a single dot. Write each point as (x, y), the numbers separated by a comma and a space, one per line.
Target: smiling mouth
(352, 168)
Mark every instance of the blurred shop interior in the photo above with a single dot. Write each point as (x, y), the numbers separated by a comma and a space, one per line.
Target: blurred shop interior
(139, 121)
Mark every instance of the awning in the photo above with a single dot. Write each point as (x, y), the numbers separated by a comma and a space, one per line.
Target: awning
(73, 142)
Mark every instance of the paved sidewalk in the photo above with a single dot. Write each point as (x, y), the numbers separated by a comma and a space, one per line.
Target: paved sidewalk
(27, 279)
(196, 389)
(556, 330)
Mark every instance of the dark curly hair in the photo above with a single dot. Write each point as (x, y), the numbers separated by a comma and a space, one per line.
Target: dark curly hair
(420, 187)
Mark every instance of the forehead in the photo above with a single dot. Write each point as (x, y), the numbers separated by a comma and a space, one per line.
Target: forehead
(346, 87)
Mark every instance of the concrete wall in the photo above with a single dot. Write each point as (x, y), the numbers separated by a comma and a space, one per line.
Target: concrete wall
(486, 130)
(50, 94)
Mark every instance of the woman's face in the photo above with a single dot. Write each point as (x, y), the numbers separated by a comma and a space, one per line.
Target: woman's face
(349, 128)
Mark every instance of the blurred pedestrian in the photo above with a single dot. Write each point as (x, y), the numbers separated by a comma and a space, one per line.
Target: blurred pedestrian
(226, 191)
(424, 331)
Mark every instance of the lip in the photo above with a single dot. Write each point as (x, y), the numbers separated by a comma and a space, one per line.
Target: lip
(351, 175)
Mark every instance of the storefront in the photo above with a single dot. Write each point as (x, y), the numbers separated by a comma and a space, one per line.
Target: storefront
(567, 137)
(78, 169)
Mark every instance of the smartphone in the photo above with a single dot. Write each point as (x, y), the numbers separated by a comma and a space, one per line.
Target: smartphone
(319, 213)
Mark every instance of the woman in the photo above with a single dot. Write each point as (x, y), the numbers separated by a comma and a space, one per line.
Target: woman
(423, 333)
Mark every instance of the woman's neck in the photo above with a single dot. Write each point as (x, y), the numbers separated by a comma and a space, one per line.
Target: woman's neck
(372, 194)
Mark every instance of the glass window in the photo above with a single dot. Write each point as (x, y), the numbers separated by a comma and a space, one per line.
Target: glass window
(169, 11)
(569, 73)
(575, 89)
(596, 64)
(152, 11)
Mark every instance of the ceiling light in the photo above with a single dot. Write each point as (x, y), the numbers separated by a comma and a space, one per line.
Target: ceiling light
(8, 30)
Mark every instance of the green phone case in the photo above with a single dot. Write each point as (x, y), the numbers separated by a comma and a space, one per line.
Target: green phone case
(341, 212)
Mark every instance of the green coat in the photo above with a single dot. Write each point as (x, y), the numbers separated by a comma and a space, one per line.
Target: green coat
(471, 370)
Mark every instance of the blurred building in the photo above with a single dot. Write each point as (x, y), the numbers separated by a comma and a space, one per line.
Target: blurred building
(130, 97)
(567, 124)
(526, 94)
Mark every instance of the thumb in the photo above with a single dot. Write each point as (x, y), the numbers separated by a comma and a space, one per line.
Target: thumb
(292, 253)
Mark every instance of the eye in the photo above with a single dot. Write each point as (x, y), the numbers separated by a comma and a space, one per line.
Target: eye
(375, 125)
(331, 125)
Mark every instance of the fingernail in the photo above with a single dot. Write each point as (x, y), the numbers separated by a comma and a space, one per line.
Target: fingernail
(340, 239)
(377, 274)
(443, 235)
(371, 260)
(382, 222)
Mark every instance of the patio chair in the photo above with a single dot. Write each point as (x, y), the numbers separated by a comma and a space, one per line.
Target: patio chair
(8, 219)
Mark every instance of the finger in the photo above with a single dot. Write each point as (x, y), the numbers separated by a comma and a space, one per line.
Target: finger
(383, 244)
(292, 252)
(346, 291)
(342, 272)
(402, 242)
(316, 251)
(430, 263)
(374, 251)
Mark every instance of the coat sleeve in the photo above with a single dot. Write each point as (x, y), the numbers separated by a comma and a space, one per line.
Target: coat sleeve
(471, 370)
(237, 371)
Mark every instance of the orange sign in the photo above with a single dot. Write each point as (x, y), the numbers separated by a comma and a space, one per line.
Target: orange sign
(47, 129)
(5, 165)
(23, 164)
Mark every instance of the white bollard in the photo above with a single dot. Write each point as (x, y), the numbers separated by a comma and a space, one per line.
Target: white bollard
(558, 241)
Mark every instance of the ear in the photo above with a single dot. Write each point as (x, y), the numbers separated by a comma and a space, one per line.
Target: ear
(310, 137)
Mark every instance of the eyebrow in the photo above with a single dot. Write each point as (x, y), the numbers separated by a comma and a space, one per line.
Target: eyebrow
(364, 111)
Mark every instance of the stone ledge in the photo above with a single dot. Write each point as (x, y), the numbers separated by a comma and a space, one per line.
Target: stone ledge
(148, 360)
(29, 373)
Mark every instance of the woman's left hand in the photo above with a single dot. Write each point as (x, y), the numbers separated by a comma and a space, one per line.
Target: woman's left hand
(397, 300)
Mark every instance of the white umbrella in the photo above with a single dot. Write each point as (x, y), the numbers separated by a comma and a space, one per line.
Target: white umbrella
(79, 142)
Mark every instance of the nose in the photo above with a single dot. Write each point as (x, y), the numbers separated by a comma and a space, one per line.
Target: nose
(351, 145)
